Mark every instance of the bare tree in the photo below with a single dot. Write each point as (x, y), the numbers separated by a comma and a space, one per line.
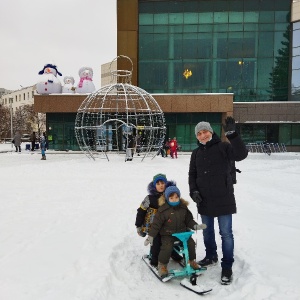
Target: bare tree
(26, 120)
(20, 120)
(4, 122)
(40, 121)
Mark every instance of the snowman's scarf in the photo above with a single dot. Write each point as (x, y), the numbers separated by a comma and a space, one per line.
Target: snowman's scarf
(82, 79)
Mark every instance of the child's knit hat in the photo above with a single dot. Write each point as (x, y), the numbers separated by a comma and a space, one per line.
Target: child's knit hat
(158, 177)
(170, 190)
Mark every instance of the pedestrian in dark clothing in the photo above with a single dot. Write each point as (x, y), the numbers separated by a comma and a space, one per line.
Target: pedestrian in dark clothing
(161, 151)
(17, 141)
(147, 211)
(46, 141)
(130, 144)
(211, 187)
(33, 140)
(167, 147)
(43, 141)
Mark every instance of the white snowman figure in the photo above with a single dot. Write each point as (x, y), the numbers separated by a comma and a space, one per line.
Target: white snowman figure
(85, 84)
(68, 87)
(49, 83)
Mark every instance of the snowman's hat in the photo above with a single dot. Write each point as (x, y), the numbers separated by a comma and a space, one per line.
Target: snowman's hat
(49, 66)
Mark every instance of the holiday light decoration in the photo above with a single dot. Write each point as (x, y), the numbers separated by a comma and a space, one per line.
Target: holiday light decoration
(187, 73)
(120, 116)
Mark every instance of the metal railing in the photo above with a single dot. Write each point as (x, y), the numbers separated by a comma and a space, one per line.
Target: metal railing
(6, 140)
(260, 147)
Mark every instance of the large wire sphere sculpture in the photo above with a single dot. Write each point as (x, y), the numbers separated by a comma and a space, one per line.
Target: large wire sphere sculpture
(118, 117)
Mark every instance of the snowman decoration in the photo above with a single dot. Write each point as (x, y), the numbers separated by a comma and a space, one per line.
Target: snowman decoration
(85, 84)
(49, 83)
(68, 87)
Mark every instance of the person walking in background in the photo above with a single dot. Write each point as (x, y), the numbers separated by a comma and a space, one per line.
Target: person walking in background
(138, 144)
(211, 188)
(173, 147)
(46, 138)
(130, 144)
(167, 147)
(161, 151)
(43, 142)
(17, 141)
(33, 140)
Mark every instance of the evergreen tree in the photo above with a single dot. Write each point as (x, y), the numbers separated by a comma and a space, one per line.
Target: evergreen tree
(280, 73)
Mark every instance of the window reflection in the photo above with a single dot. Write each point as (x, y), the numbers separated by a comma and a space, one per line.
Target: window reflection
(295, 82)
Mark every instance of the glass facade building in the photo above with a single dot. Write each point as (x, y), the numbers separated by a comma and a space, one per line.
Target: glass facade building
(296, 62)
(221, 46)
(236, 46)
(288, 133)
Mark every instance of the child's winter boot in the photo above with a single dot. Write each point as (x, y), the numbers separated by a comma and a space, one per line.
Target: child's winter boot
(162, 270)
(194, 265)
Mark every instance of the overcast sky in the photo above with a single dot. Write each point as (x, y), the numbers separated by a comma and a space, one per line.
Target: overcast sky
(68, 33)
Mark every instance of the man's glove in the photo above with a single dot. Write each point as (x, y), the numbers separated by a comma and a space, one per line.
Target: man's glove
(196, 197)
(199, 226)
(229, 126)
(149, 240)
(140, 232)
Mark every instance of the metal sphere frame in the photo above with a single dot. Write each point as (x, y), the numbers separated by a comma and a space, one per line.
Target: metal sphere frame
(118, 117)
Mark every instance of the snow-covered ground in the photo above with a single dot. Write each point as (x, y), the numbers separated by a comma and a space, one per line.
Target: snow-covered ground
(67, 228)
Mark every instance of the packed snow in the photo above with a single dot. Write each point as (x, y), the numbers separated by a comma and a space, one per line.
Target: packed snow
(67, 228)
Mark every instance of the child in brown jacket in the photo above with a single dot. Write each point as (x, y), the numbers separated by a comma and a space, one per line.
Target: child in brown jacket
(172, 216)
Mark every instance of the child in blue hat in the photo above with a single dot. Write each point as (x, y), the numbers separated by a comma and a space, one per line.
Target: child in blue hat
(173, 216)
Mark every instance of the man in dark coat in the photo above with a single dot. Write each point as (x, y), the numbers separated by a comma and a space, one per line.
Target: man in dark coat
(211, 187)
(33, 140)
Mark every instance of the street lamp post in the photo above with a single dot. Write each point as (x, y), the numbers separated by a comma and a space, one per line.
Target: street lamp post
(11, 119)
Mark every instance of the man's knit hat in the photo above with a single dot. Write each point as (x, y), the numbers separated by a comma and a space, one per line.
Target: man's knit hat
(158, 177)
(203, 126)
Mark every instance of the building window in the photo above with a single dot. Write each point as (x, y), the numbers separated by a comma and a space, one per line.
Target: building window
(288, 134)
(295, 85)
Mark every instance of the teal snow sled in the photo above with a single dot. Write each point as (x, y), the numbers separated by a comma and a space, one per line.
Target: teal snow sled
(186, 270)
